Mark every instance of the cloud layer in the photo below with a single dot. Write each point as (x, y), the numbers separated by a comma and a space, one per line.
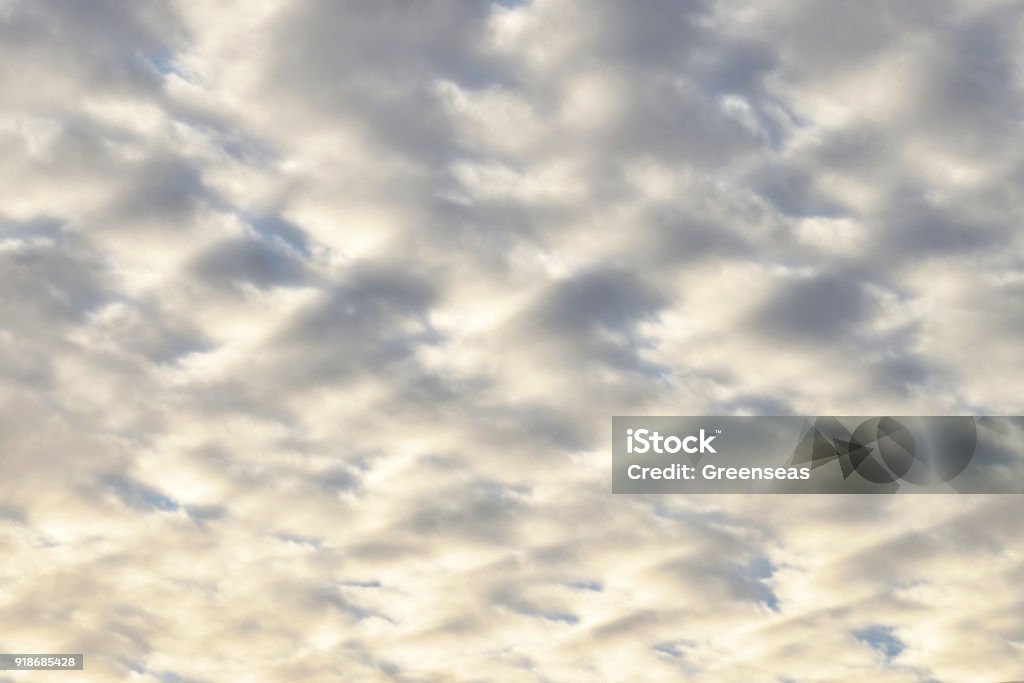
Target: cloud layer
(313, 316)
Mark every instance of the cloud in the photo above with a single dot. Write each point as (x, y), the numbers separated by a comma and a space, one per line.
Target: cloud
(313, 316)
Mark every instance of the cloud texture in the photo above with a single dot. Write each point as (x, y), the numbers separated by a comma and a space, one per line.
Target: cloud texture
(313, 316)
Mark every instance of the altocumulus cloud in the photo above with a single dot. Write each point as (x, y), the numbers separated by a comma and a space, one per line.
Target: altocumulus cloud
(313, 315)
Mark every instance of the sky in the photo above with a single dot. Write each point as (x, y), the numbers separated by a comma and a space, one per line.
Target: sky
(314, 316)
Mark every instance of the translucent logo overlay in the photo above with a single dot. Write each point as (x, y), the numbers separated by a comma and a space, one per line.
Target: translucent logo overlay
(828, 454)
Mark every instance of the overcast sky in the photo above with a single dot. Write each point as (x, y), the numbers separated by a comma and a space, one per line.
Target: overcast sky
(314, 315)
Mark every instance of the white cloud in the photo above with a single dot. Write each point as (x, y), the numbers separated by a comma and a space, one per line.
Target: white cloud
(314, 316)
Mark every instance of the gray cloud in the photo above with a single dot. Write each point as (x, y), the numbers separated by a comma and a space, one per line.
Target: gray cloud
(313, 315)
